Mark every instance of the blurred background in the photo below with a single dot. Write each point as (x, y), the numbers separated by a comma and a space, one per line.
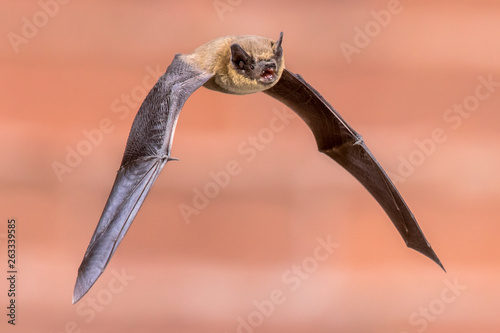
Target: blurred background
(288, 241)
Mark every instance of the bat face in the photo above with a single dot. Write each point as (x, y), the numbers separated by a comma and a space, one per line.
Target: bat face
(241, 64)
(261, 63)
(263, 71)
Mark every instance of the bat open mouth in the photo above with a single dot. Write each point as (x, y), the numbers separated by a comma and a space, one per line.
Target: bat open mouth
(268, 75)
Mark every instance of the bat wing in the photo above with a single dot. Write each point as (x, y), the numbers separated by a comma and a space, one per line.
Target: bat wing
(338, 140)
(147, 151)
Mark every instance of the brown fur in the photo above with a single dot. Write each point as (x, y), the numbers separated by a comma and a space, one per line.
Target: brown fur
(215, 57)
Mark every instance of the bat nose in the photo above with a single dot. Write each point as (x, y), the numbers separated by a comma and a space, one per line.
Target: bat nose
(268, 68)
(270, 65)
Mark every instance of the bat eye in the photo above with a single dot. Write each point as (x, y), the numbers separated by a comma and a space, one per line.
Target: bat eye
(252, 67)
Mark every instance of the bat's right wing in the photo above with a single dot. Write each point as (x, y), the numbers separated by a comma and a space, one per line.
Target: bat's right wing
(339, 141)
(147, 151)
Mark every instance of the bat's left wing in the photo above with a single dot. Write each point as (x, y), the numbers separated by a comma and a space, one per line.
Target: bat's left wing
(146, 153)
(339, 141)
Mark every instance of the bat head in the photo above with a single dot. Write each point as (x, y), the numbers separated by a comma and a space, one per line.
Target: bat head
(259, 60)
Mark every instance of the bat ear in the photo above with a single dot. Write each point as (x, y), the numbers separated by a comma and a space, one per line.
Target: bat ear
(239, 57)
(278, 51)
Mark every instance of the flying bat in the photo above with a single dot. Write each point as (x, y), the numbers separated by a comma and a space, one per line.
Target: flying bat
(234, 65)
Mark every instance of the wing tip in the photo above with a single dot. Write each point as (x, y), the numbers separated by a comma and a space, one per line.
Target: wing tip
(437, 261)
(440, 264)
(81, 288)
(78, 292)
(429, 253)
(86, 278)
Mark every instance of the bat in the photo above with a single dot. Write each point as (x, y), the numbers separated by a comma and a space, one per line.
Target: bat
(234, 65)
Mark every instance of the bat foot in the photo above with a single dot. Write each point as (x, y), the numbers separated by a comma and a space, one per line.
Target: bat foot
(172, 159)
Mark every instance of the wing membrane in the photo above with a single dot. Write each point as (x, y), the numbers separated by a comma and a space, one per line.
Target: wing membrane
(340, 142)
(147, 152)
